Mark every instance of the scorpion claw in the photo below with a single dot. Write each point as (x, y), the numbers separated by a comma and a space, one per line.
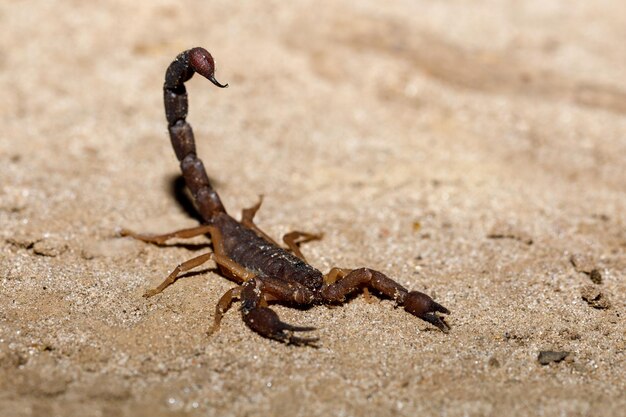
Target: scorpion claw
(286, 334)
(423, 307)
(439, 308)
(265, 322)
(436, 321)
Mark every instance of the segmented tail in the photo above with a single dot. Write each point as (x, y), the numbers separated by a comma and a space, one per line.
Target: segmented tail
(176, 105)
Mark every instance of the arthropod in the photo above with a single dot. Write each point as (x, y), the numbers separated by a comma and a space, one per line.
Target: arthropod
(264, 271)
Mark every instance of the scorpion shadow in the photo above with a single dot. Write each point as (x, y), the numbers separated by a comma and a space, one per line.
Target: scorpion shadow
(179, 191)
(176, 186)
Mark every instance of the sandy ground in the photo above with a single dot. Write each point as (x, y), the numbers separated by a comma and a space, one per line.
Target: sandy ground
(473, 150)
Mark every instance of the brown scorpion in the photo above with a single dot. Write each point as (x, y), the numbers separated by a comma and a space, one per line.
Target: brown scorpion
(264, 271)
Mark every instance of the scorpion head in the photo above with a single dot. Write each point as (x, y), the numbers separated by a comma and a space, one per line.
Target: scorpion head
(202, 62)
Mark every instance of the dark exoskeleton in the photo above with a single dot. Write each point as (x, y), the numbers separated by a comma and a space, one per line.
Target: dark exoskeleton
(264, 270)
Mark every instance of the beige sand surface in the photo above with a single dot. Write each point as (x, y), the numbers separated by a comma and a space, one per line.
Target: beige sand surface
(473, 150)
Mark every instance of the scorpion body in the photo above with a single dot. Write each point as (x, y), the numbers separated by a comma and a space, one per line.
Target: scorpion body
(264, 270)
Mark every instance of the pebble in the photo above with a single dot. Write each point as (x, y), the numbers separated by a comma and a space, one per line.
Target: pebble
(548, 356)
(49, 247)
(586, 265)
(494, 362)
(582, 263)
(594, 297)
(595, 276)
(23, 240)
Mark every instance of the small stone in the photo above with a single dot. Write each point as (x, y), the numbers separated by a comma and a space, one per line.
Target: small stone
(493, 362)
(594, 297)
(548, 356)
(590, 293)
(586, 265)
(570, 334)
(582, 263)
(595, 276)
(50, 247)
(23, 240)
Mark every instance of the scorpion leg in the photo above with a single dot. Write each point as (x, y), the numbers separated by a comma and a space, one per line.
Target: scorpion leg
(234, 270)
(223, 305)
(247, 219)
(264, 320)
(414, 302)
(335, 274)
(294, 239)
(185, 266)
(161, 239)
(227, 265)
(273, 290)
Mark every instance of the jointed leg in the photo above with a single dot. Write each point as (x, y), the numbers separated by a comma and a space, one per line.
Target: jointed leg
(223, 305)
(185, 266)
(288, 292)
(335, 274)
(338, 273)
(247, 216)
(414, 302)
(294, 239)
(235, 270)
(161, 239)
(272, 290)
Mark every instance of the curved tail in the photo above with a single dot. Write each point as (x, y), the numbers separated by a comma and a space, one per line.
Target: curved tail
(176, 105)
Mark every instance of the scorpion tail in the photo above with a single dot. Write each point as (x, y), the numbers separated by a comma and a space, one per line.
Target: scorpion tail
(181, 135)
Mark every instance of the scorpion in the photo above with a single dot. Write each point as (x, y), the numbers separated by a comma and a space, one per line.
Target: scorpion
(264, 271)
